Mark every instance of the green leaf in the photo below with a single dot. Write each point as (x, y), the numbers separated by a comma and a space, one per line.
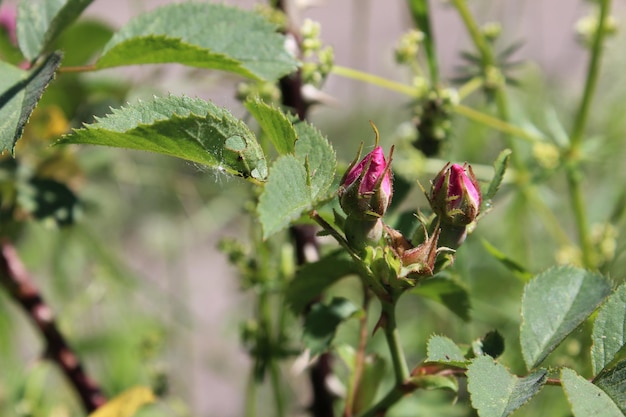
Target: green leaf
(443, 350)
(275, 125)
(21, 91)
(286, 195)
(499, 167)
(313, 149)
(202, 35)
(509, 263)
(609, 330)
(613, 383)
(39, 22)
(448, 292)
(297, 183)
(313, 278)
(321, 323)
(184, 127)
(554, 303)
(585, 398)
(497, 393)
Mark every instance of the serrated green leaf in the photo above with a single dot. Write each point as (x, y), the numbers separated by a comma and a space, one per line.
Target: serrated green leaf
(313, 278)
(313, 148)
(286, 195)
(21, 91)
(202, 35)
(613, 383)
(585, 398)
(609, 330)
(448, 292)
(187, 128)
(321, 323)
(39, 22)
(443, 350)
(297, 183)
(554, 303)
(497, 393)
(499, 167)
(275, 125)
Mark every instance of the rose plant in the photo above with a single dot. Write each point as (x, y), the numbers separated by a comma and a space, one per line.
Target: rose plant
(378, 293)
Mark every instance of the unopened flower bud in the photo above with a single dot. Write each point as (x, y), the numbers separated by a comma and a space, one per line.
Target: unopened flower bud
(366, 188)
(455, 195)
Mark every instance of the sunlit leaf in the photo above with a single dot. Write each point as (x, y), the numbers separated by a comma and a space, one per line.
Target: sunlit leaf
(554, 303)
(497, 393)
(275, 125)
(202, 35)
(20, 93)
(39, 22)
(586, 399)
(609, 330)
(443, 350)
(184, 127)
(613, 383)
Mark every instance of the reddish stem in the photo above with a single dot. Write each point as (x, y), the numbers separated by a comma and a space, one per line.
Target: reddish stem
(15, 279)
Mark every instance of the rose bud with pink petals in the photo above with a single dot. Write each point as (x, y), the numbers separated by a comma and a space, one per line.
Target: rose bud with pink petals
(366, 188)
(455, 195)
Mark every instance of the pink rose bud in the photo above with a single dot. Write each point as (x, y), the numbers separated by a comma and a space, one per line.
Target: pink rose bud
(366, 188)
(455, 195)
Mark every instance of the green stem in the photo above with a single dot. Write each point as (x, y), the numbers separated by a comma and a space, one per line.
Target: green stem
(496, 123)
(276, 388)
(265, 316)
(421, 16)
(580, 121)
(359, 358)
(469, 87)
(474, 32)
(574, 176)
(577, 199)
(250, 404)
(375, 80)
(388, 319)
(392, 397)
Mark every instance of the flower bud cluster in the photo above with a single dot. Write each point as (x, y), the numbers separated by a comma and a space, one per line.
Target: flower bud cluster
(266, 91)
(365, 195)
(492, 31)
(319, 61)
(408, 46)
(587, 27)
(432, 119)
